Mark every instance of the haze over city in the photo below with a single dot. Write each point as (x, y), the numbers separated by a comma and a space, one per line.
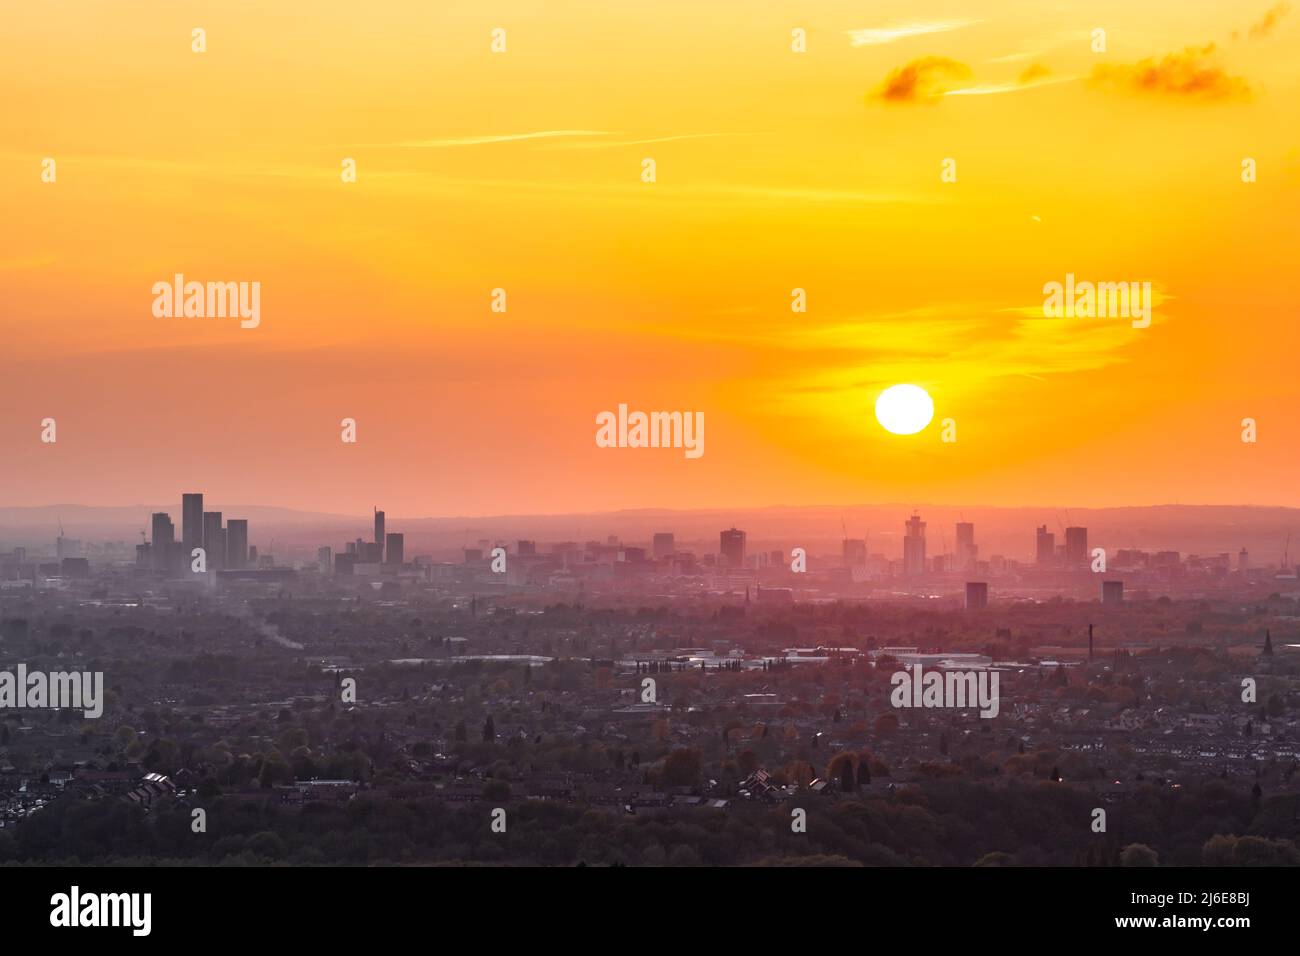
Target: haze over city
(450, 437)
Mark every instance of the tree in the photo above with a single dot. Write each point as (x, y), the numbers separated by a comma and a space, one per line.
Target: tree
(682, 768)
(843, 765)
(1138, 854)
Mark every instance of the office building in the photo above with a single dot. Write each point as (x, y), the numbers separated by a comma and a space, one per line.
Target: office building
(191, 522)
(914, 547)
(324, 560)
(665, 545)
(1076, 547)
(1046, 550)
(526, 549)
(163, 535)
(966, 550)
(732, 548)
(977, 595)
(1112, 592)
(394, 549)
(236, 544)
(76, 568)
(379, 533)
(214, 540)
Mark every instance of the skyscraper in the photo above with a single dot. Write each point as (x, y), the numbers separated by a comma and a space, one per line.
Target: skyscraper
(664, 544)
(914, 547)
(379, 532)
(966, 549)
(732, 546)
(214, 540)
(1076, 547)
(237, 544)
(395, 547)
(1046, 547)
(163, 536)
(191, 522)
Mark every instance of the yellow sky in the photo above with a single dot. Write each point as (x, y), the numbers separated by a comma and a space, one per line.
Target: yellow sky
(522, 170)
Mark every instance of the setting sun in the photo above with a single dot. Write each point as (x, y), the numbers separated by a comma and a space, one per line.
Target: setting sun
(904, 409)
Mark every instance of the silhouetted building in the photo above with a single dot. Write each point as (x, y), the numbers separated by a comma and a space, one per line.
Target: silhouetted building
(664, 545)
(977, 595)
(214, 540)
(191, 522)
(77, 568)
(1112, 592)
(162, 537)
(526, 549)
(966, 549)
(395, 549)
(379, 533)
(236, 544)
(1046, 550)
(914, 547)
(732, 547)
(324, 560)
(853, 552)
(1076, 547)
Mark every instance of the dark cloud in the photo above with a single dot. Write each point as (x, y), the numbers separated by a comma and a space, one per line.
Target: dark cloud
(1190, 74)
(919, 80)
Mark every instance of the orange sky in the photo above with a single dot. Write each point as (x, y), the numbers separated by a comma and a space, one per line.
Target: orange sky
(522, 170)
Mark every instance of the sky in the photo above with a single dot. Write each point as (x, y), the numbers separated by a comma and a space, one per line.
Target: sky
(522, 170)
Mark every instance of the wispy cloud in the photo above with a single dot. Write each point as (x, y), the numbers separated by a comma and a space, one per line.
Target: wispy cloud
(453, 142)
(1189, 74)
(637, 142)
(1271, 18)
(1034, 76)
(876, 36)
(920, 80)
